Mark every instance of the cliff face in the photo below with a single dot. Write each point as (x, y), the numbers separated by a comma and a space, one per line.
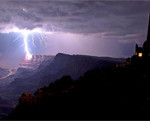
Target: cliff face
(120, 92)
(62, 64)
(49, 70)
(75, 66)
(35, 61)
(61, 86)
(27, 68)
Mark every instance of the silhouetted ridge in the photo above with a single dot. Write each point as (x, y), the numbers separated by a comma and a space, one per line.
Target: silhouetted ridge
(59, 66)
(62, 54)
(118, 92)
(51, 70)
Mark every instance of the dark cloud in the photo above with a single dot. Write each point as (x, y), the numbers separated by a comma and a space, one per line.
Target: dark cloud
(118, 14)
(114, 23)
(76, 16)
(84, 17)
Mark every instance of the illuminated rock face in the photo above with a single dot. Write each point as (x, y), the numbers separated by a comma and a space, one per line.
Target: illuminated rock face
(26, 98)
(35, 61)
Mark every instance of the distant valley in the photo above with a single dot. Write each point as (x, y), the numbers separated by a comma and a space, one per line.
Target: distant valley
(27, 79)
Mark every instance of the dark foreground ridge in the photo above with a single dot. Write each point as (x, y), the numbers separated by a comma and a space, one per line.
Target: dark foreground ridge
(121, 92)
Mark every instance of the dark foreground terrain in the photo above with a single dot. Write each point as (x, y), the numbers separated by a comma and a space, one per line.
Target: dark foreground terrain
(121, 92)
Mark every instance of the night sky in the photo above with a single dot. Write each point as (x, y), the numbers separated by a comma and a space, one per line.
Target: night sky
(94, 27)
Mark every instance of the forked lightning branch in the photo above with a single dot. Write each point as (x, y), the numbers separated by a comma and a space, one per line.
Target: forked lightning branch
(25, 34)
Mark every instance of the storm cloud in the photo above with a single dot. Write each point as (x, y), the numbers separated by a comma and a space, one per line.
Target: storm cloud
(108, 28)
(118, 17)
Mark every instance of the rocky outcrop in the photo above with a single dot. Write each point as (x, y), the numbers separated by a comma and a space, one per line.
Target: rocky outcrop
(35, 61)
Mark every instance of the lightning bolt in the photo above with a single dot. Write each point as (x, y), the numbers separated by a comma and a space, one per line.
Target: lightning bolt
(25, 33)
(25, 39)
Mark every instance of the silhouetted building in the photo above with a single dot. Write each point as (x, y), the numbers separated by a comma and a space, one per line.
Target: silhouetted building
(144, 52)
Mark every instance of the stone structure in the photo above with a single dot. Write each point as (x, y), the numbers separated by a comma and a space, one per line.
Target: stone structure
(144, 52)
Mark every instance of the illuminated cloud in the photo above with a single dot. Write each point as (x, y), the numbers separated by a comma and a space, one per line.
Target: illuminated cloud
(109, 28)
